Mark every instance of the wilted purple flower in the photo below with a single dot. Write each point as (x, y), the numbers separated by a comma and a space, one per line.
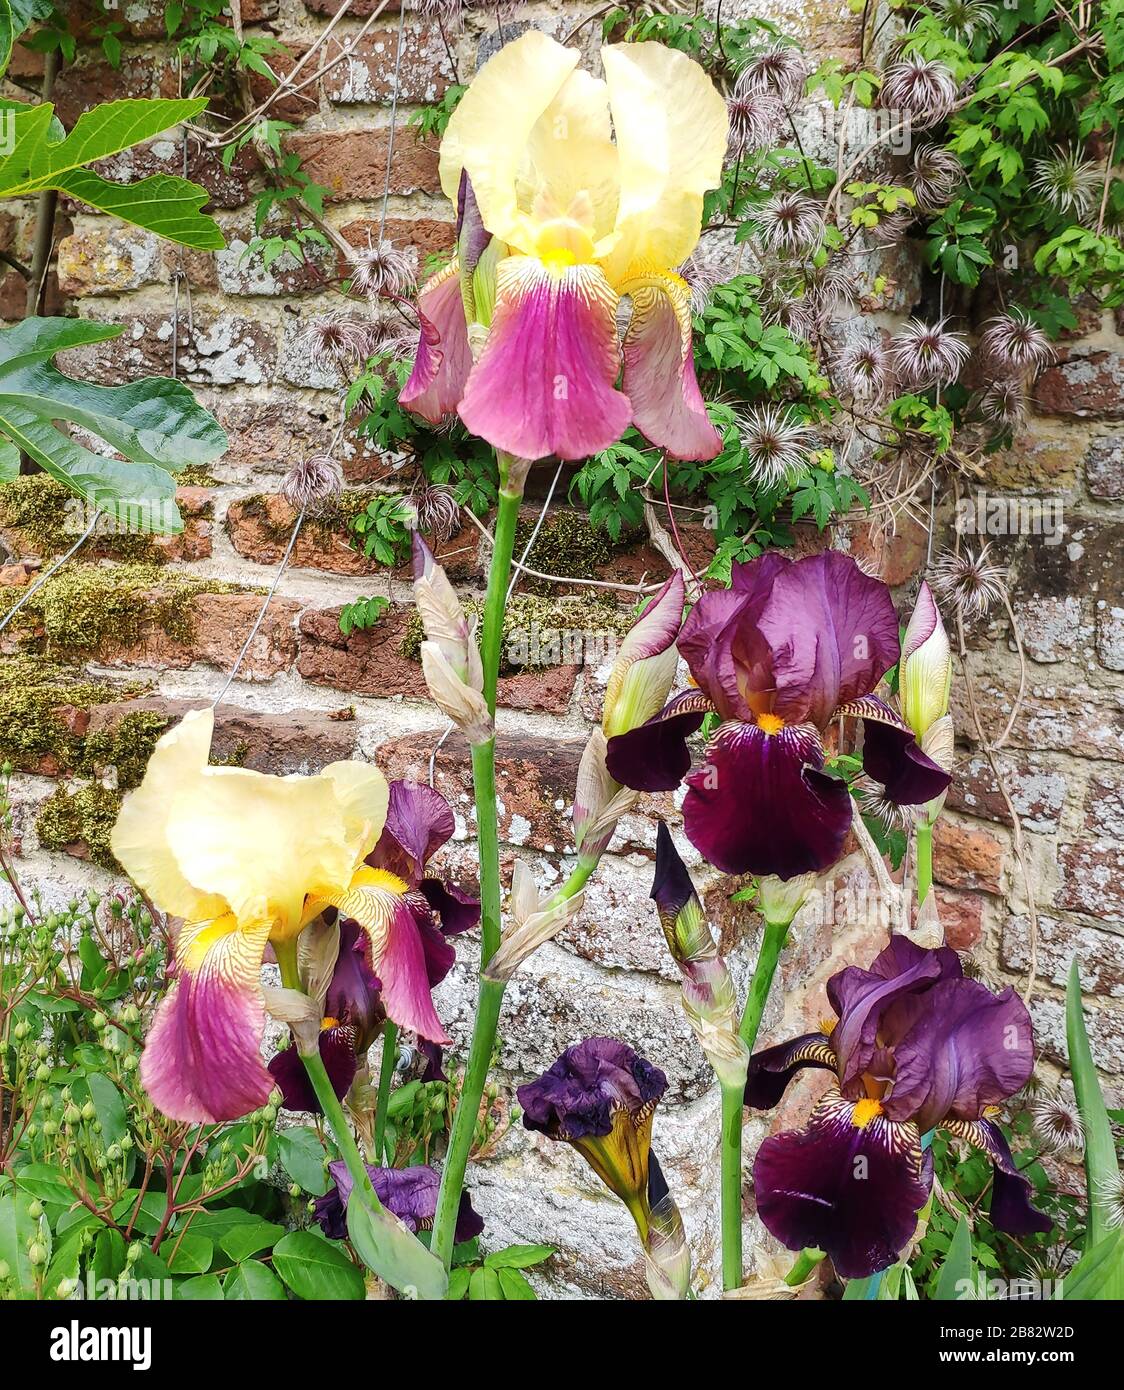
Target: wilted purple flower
(410, 1193)
(1013, 342)
(919, 88)
(600, 1096)
(1068, 182)
(934, 175)
(1003, 402)
(790, 222)
(969, 581)
(928, 354)
(780, 655)
(863, 370)
(776, 445)
(781, 69)
(916, 1046)
(756, 116)
(311, 480)
(383, 269)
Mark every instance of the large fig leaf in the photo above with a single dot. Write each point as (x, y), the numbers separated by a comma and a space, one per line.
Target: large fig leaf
(35, 158)
(156, 423)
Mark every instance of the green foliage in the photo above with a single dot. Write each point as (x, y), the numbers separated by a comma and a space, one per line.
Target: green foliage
(431, 121)
(363, 613)
(956, 243)
(383, 530)
(162, 203)
(498, 1277)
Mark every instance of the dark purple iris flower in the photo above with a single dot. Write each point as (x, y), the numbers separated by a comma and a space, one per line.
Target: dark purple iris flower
(410, 1193)
(600, 1096)
(423, 913)
(916, 1047)
(788, 648)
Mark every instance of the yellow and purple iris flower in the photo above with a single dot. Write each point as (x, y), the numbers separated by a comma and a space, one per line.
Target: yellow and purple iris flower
(787, 649)
(557, 220)
(914, 1046)
(248, 860)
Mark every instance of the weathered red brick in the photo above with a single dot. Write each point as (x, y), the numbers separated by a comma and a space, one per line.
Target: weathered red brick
(1060, 718)
(228, 187)
(366, 75)
(427, 235)
(351, 164)
(1104, 467)
(215, 349)
(1104, 805)
(1087, 381)
(1038, 792)
(964, 857)
(894, 555)
(108, 260)
(961, 916)
(370, 662)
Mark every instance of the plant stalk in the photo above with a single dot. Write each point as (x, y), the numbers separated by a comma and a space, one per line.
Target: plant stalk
(382, 1098)
(733, 1102)
(924, 860)
(772, 942)
(484, 787)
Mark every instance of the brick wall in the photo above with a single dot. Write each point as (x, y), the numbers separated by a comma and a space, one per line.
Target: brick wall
(133, 646)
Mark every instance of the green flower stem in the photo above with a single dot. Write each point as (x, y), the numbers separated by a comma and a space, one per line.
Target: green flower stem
(464, 1120)
(924, 860)
(733, 1106)
(803, 1265)
(773, 940)
(484, 786)
(286, 952)
(382, 1099)
(579, 875)
(733, 1101)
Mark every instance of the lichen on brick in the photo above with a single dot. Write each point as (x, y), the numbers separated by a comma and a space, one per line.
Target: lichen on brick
(83, 606)
(82, 817)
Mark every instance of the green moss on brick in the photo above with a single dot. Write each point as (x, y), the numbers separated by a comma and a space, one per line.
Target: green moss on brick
(566, 545)
(83, 606)
(32, 690)
(82, 817)
(538, 624)
(37, 507)
(127, 746)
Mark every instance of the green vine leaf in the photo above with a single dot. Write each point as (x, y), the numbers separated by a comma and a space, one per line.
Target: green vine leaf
(156, 423)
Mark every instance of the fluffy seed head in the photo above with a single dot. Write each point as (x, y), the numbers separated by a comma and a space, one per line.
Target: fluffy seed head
(969, 581)
(383, 269)
(1003, 402)
(777, 445)
(921, 89)
(781, 69)
(1013, 342)
(863, 370)
(1067, 182)
(438, 512)
(964, 19)
(1057, 1123)
(928, 354)
(934, 175)
(791, 222)
(756, 115)
(336, 343)
(312, 480)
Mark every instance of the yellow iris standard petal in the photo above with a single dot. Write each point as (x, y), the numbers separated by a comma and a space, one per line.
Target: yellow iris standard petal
(206, 840)
(490, 130)
(140, 837)
(671, 128)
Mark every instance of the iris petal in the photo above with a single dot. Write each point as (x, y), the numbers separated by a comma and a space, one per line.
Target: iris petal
(773, 1068)
(892, 756)
(443, 359)
(850, 1184)
(654, 757)
(202, 1058)
(1011, 1210)
(760, 804)
(659, 370)
(544, 382)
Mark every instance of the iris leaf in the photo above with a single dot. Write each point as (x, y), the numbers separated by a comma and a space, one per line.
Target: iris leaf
(956, 1277)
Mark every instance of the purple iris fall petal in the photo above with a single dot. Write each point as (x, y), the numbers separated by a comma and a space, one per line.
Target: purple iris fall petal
(337, 1052)
(410, 1193)
(773, 1068)
(456, 910)
(576, 1096)
(1010, 1210)
(759, 804)
(833, 633)
(654, 757)
(957, 1048)
(418, 822)
(893, 757)
(354, 995)
(851, 1183)
(434, 1060)
(440, 957)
